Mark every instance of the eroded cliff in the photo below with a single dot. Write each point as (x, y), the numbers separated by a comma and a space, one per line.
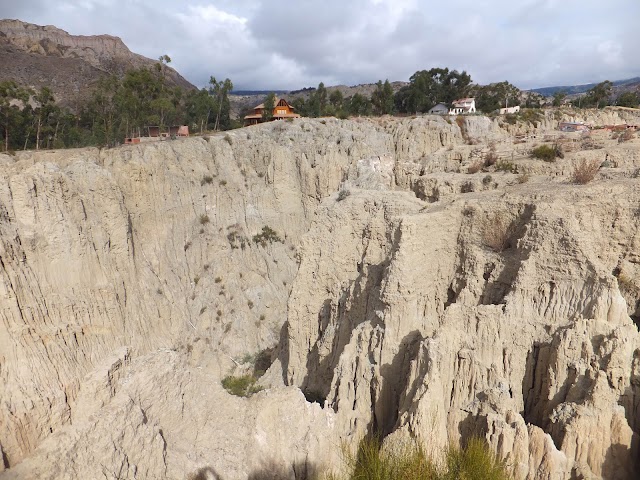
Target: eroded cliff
(132, 283)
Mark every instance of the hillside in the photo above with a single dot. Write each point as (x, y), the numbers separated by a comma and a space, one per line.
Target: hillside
(619, 87)
(70, 65)
(387, 274)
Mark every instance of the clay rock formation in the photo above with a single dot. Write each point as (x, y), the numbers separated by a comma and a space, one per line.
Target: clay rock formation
(392, 292)
(70, 65)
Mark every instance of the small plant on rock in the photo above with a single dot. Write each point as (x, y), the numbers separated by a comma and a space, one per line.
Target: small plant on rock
(242, 386)
(206, 180)
(268, 235)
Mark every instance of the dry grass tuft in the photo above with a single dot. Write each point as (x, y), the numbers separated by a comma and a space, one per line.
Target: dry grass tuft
(497, 231)
(585, 171)
(475, 167)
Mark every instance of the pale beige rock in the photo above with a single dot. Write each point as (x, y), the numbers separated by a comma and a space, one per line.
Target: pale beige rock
(126, 295)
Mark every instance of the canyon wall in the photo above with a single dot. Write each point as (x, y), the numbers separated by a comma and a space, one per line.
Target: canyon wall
(135, 278)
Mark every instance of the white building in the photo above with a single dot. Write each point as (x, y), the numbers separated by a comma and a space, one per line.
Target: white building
(504, 111)
(439, 109)
(463, 106)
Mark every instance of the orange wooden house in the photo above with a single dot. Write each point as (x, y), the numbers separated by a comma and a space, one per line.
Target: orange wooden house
(281, 111)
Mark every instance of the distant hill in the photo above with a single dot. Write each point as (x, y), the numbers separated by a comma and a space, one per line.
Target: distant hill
(258, 92)
(71, 65)
(577, 89)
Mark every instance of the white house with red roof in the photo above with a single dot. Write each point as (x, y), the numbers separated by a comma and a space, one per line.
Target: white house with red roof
(463, 106)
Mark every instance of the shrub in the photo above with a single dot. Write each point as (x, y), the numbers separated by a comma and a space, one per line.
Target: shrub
(506, 166)
(585, 171)
(544, 152)
(409, 461)
(523, 178)
(204, 219)
(223, 183)
(625, 136)
(344, 193)
(236, 240)
(474, 167)
(491, 158)
(474, 461)
(196, 279)
(218, 279)
(268, 235)
(249, 303)
(487, 180)
(206, 180)
(497, 232)
(243, 386)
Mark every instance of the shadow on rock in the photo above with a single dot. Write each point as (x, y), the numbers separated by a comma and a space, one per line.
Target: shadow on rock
(279, 471)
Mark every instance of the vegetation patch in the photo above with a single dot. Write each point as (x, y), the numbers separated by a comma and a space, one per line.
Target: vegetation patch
(268, 235)
(506, 166)
(235, 238)
(206, 180)
(547, 153)
(242, 386)
(475, 167)
(497, 231)
(409, 461)
(585, 171)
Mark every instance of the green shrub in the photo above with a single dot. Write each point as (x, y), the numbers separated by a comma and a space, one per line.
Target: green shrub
(243, 386)
(268, 235)
(204, 219)
(545, 152)
(409, 461)
(206, 180)
(506, 166)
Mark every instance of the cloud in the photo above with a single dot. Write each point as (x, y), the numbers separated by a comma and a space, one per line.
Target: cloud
(284, 44)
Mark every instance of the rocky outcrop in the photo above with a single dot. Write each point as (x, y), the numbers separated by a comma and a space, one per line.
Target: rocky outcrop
(397, 298)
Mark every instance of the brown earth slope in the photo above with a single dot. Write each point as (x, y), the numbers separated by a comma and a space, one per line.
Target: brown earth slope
(71, 65)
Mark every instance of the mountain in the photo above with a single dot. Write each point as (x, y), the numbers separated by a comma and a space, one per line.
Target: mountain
(621, 85)
(71, 65)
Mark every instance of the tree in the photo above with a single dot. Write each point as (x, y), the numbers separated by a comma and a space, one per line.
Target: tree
(199, 106)
(428, 87)
(382, 98)
(12, 97)
(598, 96)
(629, 99)
(558, 98)
(495, 96)
(359, 105)
(269, 105)
(220, 90)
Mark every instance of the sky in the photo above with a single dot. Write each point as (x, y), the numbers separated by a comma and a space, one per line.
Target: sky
(291, 44)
